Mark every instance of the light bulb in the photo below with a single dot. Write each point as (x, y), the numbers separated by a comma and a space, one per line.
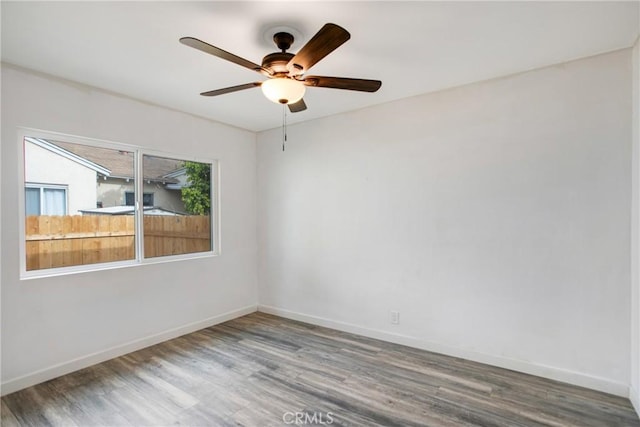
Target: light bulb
(283, 90)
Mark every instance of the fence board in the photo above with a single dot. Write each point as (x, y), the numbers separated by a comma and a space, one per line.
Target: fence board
(44, 247)
(58, 241)
(174, 235)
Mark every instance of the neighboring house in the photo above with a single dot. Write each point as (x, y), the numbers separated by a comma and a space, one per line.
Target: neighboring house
(71, 179)
(57, 181)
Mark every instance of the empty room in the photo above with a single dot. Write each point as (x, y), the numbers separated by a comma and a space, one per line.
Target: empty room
(320, 213)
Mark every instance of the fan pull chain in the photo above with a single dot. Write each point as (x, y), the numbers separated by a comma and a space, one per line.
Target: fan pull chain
(284, 125)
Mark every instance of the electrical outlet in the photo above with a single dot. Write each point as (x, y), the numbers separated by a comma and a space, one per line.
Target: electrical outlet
(395, 317)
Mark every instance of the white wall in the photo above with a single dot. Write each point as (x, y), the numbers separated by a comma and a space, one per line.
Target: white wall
(54, 325)
(494, 217)
(635, 233)
(46, 167)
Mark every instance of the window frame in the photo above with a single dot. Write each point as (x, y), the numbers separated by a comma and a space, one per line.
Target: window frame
(42, 187)
(214, 216)
(133, 193)
(138, 153)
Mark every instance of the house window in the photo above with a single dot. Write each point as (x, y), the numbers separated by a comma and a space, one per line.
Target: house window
(45, 199)
(80, 222)
(147, 199)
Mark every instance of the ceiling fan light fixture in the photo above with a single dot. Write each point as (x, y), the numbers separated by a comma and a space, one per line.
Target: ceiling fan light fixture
(287, 72)
(283, 90)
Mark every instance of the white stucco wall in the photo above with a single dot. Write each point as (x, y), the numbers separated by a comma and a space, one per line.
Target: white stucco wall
(45, 167)
(111, 192)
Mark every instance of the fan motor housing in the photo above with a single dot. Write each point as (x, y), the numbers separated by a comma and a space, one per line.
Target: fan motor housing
(277, 62)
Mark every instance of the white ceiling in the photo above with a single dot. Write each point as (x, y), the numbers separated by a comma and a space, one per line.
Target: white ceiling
(413, 47)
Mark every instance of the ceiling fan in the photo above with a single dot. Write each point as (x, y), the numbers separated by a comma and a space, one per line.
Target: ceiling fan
(287, 81)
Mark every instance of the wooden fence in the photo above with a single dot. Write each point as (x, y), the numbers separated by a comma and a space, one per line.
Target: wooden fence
(60, 241)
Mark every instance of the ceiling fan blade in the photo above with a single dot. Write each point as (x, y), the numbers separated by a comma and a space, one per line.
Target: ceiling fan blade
(361, 85)
(231, 89)
(298, 106)
(328, 39)
(216, 51)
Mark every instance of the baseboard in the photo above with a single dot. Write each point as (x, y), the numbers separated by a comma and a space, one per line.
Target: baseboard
(550, 372)
(634, 397)
(54, 371)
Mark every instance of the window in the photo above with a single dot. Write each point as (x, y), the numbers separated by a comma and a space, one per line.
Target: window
(147, 199)
(45, 200)
(182, 223)
(89, 216)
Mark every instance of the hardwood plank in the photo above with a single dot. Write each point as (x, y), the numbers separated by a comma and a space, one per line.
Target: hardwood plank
(7, 418)
(253, 370)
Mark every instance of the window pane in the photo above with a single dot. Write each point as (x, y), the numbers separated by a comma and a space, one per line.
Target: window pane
(32, 201)
(55, 201)
(73, 179)
(147, 199)
(177, 218)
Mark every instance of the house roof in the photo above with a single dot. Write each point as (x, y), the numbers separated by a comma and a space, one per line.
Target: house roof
(43, 143)
(121, 163)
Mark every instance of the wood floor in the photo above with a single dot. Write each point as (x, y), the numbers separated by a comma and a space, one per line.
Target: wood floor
(261, 370)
